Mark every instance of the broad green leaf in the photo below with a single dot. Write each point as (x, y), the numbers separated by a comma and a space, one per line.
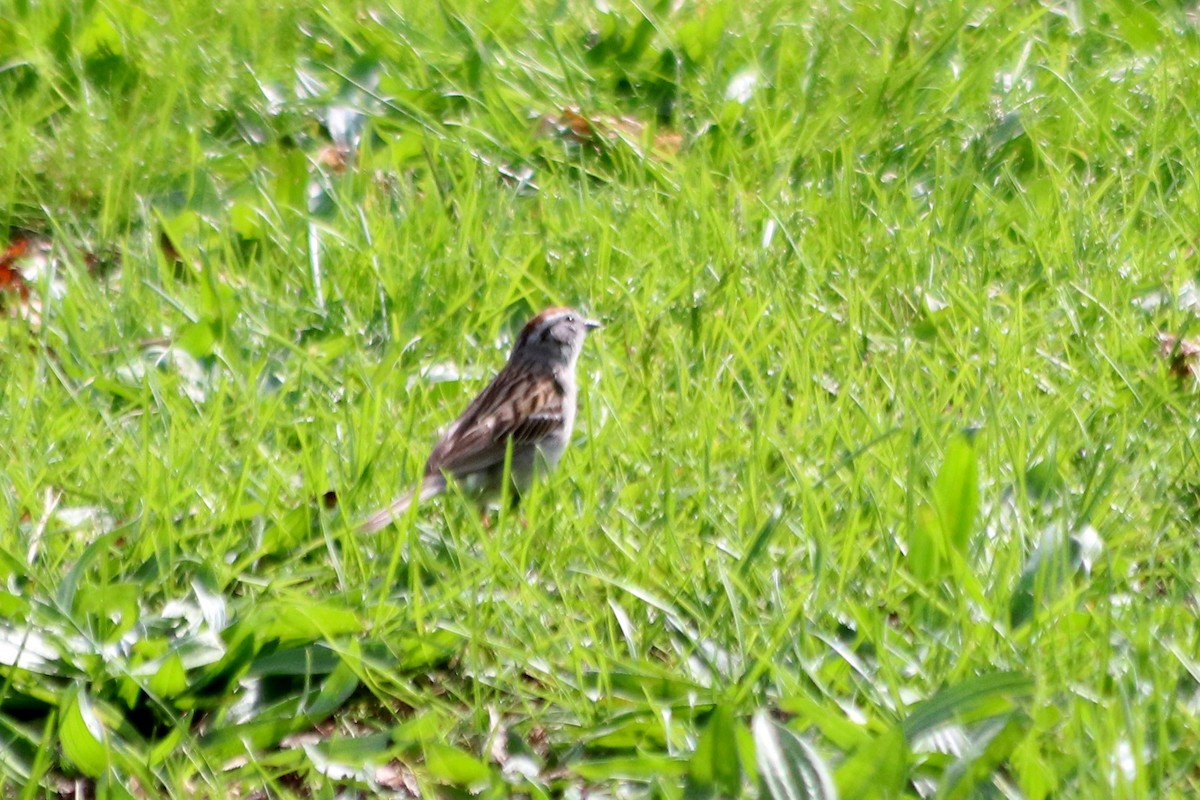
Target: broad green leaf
(335, 690)
(500, 15)
(246, 221)
(956, 492)
(371, 748)
(291, 179)
(116, 388)
(171, 678)
(975, 698)
(454, 766)
(315, 659)
(1139, 25)
(219, 301)
(635, 730)
(197, 339)
(420, 652)
(330, 348)
(300, 620)
(636, 768)
(179, 228)
(112, 609)
(787, 767)
(715, 768)
(877, 769)
(65, 593)
(248, 737)
(129, 689)
(652, 683)
(1035, 770)
(10, 565)
(701, 33)
(82, 735)
(428, 726)
(166, 746)
(99, 37)
(926, 545)
(836, 728)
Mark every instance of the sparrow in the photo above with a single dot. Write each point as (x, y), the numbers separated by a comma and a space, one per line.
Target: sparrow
(530, 404)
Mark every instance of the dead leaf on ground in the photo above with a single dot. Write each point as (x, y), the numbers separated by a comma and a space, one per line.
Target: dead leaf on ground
(12, 280)
(335, 157)
(600, 131)
(1183, 355)
(398, 777)
(31, 259)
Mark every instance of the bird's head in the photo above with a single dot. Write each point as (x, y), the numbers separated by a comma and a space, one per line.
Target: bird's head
(556, 334)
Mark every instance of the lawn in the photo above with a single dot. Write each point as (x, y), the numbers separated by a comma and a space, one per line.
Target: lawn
(884, 481)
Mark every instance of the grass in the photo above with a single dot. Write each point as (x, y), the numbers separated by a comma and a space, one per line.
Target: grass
(879, 486)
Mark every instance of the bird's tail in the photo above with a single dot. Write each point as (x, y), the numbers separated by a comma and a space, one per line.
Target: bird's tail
(432, 486)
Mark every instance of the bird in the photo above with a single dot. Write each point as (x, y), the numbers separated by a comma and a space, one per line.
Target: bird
(530, 403)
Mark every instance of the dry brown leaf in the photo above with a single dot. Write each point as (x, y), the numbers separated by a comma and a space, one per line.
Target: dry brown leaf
(11, 279)
(30, 259)
(396, 776)
(1183, 354)
(601, 130)
(335, 157)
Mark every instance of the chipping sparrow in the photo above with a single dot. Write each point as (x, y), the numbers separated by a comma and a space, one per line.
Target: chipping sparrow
(531, 402)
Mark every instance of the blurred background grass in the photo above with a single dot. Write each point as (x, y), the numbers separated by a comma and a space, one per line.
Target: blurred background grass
(270, 248)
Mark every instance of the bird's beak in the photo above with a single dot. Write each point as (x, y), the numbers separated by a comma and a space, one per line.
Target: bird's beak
(592, 324)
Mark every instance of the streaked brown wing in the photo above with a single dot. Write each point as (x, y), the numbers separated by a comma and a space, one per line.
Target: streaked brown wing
(519, 406)
(535, 427)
